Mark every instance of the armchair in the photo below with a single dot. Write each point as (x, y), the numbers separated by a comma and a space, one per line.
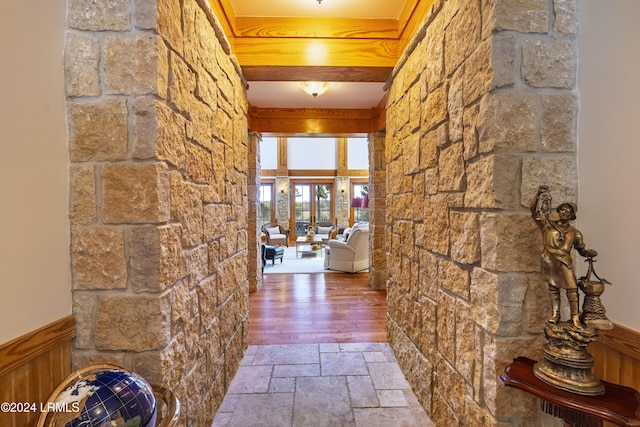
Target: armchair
(324, 230)
(276, 234)
(350, 256)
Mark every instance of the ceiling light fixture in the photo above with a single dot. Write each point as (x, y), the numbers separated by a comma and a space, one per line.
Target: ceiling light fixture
(315, 88)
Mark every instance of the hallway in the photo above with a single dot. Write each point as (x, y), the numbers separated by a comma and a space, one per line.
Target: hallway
(318, 357)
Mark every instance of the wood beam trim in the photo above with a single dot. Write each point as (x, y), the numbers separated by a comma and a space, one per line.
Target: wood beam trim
(223, 10)
(317, 73)
(343, 154)
(343, 28)
(316, 52)
(31, 345)
(412, 18)
(283, 156)
(311, 172)
(333, 122)
(317, 127)
(327, 113)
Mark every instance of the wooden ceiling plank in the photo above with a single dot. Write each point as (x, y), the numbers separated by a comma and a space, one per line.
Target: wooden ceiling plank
(316, 52)
(344, 28)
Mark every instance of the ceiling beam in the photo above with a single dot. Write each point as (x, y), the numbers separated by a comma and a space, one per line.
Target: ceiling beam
(316, 73)
(316, 52)
(306, 121)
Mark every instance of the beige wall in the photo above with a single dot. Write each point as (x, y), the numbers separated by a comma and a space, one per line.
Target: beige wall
(609, 150)
(34, 228)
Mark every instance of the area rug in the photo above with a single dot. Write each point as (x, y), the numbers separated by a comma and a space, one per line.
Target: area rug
(304, 263)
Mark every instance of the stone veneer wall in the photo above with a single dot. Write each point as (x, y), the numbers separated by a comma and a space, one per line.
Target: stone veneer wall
(482, 109)
(254, 229)
(158, 206)
(378, 244)
(343, 206)
(282, 201)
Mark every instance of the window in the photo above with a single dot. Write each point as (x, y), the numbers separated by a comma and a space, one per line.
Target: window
(360, 201)
(266, 213)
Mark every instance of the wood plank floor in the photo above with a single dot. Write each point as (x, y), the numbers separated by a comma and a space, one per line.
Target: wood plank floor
(317, 308)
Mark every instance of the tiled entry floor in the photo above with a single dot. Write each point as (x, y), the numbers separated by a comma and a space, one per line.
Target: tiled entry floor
(317, 385)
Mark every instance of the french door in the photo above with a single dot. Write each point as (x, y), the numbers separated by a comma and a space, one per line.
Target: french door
(312, 202)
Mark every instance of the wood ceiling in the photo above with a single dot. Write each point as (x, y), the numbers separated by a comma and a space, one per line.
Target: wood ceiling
(323, 49)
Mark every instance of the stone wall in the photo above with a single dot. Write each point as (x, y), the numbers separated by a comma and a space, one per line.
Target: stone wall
(343, 207)
(482, 109)
(378, 244)
(158, 195)
(254, 270)
(282, 201)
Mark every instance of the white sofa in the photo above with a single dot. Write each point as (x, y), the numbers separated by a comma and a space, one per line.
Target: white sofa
(351, 255)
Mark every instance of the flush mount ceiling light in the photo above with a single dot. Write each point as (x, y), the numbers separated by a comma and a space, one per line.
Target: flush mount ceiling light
(315, 88)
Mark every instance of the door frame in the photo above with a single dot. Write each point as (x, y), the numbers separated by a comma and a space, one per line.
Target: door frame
(312, 182)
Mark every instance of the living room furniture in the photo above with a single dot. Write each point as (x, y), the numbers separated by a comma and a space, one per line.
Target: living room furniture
(273, 253)
(276, 234)
(343, 232)
(305, 245)
(324, 230)
(351, 255)
(619, 404)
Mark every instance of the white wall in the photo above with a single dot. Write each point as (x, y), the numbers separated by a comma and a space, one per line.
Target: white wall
(358, 153)
(609, 149)
(269, 153)
(312, 153)
(34, 226)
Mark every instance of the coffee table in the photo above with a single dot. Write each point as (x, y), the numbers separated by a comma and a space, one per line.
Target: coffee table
(304, 246)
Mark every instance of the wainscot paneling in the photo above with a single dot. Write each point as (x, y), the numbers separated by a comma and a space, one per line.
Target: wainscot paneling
(617, 356)
(31, 366)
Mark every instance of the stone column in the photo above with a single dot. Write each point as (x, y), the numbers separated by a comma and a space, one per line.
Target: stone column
(482, 109)
(158, 147)
(378, 247)
(342, 201)
(282, 202)
(253, 230)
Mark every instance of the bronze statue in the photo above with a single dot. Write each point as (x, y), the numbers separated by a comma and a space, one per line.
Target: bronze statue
(559, 237)
(566, 362)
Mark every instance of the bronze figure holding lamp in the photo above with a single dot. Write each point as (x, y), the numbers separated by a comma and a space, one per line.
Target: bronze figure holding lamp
(567, 364)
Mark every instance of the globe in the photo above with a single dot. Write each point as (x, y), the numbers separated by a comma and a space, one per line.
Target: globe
(102, 396)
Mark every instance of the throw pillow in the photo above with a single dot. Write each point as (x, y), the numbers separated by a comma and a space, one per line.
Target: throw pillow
(324, 230)
(274, 230)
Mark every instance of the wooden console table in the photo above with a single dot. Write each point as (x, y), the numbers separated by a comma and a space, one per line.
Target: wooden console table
(619, 405)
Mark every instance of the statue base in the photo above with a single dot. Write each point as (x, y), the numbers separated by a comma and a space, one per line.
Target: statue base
(567, 365)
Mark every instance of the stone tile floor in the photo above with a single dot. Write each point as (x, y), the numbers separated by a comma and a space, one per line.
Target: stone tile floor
(317, 385)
